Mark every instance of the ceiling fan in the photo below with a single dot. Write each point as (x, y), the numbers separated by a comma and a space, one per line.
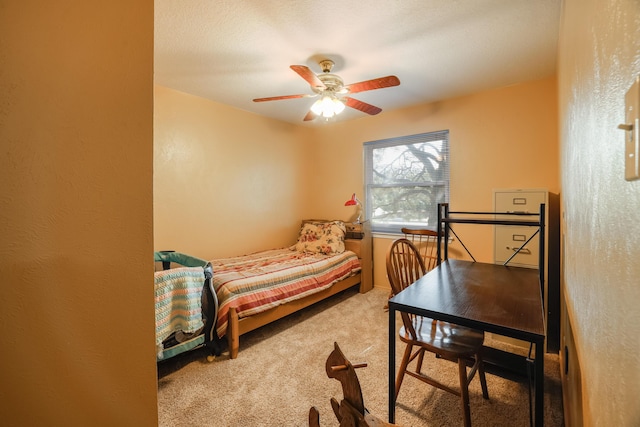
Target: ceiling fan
(333, 92)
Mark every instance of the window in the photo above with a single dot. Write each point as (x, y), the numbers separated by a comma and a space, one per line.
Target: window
(405, 179)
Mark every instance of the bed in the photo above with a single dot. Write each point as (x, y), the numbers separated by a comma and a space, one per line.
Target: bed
(256, 289)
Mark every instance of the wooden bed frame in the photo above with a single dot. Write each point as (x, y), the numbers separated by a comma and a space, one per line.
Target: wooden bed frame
(239, 326)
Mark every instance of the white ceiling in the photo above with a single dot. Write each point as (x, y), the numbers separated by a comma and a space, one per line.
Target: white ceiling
(232, 51)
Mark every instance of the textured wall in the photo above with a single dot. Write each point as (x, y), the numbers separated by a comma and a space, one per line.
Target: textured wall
(501, 138)
(599, 58)
(226, 182)
(76, 108)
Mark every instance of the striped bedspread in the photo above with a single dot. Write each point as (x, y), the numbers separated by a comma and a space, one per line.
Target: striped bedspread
(178, 294)
(257, 282)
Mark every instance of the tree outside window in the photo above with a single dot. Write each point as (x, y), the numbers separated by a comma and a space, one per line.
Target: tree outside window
(406, 178)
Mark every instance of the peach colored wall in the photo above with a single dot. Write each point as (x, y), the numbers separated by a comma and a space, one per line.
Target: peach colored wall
(599, 58)
(226, 182)
(77, 345)
(503, 138)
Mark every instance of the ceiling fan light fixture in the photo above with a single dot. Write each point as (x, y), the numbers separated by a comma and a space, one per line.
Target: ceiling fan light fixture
(327, 106)
(338, 106)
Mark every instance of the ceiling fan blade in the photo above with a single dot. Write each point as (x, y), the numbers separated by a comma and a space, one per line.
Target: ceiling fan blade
(362, 106)
(276, 98)
(308, 75)
(310, 116)
(379, 83)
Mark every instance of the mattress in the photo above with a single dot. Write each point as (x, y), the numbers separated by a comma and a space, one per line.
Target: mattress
(258, 282)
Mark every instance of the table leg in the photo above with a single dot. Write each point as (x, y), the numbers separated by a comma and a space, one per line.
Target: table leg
(539, 384)
(392, 365)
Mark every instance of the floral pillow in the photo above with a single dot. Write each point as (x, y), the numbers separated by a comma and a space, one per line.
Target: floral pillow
(322, 237)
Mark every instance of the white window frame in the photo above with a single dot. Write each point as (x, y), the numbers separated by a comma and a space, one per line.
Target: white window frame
(371, 186)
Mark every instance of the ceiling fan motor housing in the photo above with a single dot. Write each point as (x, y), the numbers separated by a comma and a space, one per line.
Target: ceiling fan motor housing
(332, 83)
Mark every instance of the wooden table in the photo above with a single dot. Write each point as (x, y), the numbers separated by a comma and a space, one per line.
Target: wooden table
(489, 297)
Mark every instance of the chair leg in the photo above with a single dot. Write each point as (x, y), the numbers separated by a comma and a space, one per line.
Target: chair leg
(403, 367)
(483, 379)
(314, 417)
(420, 360)
(464, 392)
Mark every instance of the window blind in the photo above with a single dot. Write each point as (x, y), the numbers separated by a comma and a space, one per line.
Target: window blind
(405, 179)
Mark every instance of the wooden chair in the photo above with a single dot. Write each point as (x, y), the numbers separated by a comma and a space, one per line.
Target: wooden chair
(426, 241)
(446, 340)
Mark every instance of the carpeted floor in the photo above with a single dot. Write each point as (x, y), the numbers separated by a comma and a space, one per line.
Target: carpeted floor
(279, 374)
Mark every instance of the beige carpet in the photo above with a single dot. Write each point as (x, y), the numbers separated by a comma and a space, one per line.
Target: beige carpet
(279, 374)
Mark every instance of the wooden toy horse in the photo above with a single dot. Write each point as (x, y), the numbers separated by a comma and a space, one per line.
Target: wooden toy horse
(350, 412)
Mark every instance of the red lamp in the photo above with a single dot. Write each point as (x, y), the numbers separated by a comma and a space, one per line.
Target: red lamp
(353, 201)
